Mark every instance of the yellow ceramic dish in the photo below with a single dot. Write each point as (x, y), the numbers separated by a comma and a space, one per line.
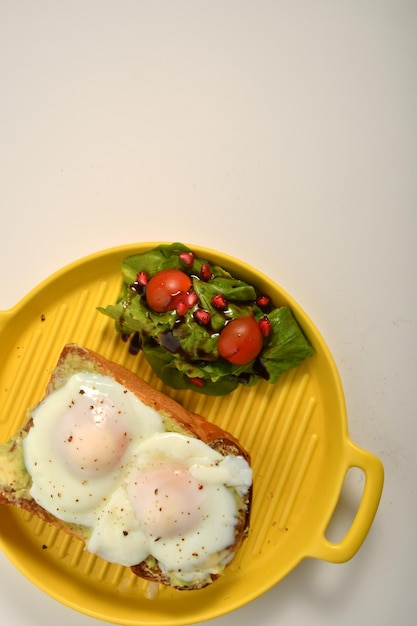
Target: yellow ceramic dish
(296, 432)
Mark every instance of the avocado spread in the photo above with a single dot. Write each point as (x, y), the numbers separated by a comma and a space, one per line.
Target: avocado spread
(13, 474)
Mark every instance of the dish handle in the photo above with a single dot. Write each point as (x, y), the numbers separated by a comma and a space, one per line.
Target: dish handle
(371, 466)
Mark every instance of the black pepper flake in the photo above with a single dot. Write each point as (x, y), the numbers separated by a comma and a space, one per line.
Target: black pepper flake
(43, 318)
(82, 392)
(125, 533)
(44, 547)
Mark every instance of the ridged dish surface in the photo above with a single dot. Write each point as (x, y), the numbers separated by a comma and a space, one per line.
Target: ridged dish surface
(295, 431)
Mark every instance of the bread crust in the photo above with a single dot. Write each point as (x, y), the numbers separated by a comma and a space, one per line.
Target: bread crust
(193, 424)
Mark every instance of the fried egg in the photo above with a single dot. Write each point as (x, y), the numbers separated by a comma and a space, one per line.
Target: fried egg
(100, 457)
(82, 437)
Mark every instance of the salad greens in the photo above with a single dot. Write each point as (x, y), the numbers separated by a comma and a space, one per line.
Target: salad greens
(184, 352)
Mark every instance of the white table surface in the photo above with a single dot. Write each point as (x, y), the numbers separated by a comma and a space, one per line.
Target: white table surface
(283, 133)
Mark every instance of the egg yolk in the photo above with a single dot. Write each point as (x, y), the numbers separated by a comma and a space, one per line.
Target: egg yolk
(167, 501)
(92, 436)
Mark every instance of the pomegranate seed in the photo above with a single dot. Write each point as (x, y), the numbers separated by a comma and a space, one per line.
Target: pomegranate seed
(219, 301)
(142, 278)
(265, 326)
(191, 299)
(198, 382)
(187, 258)
(202, 317)
(263, 301)
(182, 308)
(205, 271)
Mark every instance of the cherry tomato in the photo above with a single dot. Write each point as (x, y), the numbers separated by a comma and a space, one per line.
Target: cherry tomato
(240, 340)
(166, 289)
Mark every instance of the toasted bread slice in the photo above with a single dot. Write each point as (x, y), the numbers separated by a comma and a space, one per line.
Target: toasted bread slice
(15, 481)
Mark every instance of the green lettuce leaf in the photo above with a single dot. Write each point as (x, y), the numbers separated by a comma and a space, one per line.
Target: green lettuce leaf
(170, 370)
(287, 347)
